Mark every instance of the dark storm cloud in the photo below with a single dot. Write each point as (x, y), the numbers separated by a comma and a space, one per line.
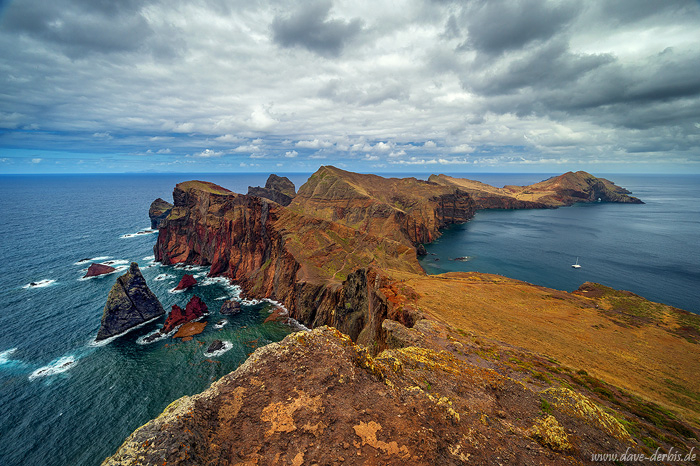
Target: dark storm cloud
(311, 28)
(81, 27)
(501, 25)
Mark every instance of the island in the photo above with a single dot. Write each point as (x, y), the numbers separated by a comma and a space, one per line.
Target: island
(402, 367)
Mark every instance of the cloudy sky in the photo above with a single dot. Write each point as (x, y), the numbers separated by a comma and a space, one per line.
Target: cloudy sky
(375, 86)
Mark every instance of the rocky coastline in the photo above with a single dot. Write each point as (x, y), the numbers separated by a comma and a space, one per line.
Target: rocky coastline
(405, 368)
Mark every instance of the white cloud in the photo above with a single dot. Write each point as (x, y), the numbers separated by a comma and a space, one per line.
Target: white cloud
(371, 157)
(429, 145)
(291, 154)
(228, 138)
(314, 144)
(207, 153)
(37, 160)
(462, 149)
(248, 148)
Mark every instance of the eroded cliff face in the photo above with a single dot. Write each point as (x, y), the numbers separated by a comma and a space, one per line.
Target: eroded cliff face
(407, 210)
(323, 272)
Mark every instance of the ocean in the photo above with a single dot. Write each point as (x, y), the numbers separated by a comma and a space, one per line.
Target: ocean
(650, 249)
(54, 413)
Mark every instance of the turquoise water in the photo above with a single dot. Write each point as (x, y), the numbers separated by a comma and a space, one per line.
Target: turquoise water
(651, 249)
(80, 415)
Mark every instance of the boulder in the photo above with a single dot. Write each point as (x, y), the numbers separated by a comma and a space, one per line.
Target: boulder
(98, 269)
(216, 345)
(158, 211)
(187, 282)
(130, 303)
(230, 307)
(195, 309)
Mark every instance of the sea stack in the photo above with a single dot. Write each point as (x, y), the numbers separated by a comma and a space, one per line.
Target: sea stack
(98, 269)
(195, 309)
(187, 282)
(158, 211)
(130, 303)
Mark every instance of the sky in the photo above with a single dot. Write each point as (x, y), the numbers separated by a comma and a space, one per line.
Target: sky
(109, 86)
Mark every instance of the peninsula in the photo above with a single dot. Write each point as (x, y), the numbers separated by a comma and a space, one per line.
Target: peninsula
(406, 368)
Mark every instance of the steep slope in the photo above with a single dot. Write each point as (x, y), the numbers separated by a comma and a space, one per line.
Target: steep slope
(305, 262)
(561, 190)
(435, 397)
(407, 210)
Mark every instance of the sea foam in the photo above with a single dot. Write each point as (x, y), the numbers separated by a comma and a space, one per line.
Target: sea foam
(39, 284)
(227, 346)
(145, 231)
(56, 367)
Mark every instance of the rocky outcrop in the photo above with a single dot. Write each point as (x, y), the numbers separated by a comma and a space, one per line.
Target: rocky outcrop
(98, 269)
(186, 282)
(158, 211)
(194, 309)
(431, 400)
(130, 303)
(562, 190)
(278, 189)
(230, 307)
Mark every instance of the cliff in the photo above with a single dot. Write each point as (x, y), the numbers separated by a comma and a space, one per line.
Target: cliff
(313, 260)
(130, 303)
(557, 191)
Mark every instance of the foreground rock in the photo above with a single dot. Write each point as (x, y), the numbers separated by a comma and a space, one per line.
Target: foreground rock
(130, 303)
(195, 309)
(158, 211)
(98, 269)
(277, 188)
(187, 282)
(437, 398)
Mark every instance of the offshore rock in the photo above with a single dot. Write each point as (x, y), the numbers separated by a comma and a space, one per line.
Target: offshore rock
(279, 189)
(195, 309)
(158, 211)
(187, 282)
(230, 307)
(216, 345)
(130, 303)
(98, 269)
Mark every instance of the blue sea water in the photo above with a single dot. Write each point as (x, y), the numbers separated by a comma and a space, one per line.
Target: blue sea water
(651, 249)
(79, 413)
(52, 413)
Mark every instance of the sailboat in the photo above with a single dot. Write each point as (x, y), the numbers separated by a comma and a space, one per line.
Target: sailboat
(576, 265)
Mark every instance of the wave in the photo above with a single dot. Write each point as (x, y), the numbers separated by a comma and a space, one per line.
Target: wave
(5, 356)
(39, 284)
(227, 346)
(221, 324)
(162, 277)
(94, 259)
(112, 338)
(115, 262)
(61, 365)
(145, 231)
(149, 258)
